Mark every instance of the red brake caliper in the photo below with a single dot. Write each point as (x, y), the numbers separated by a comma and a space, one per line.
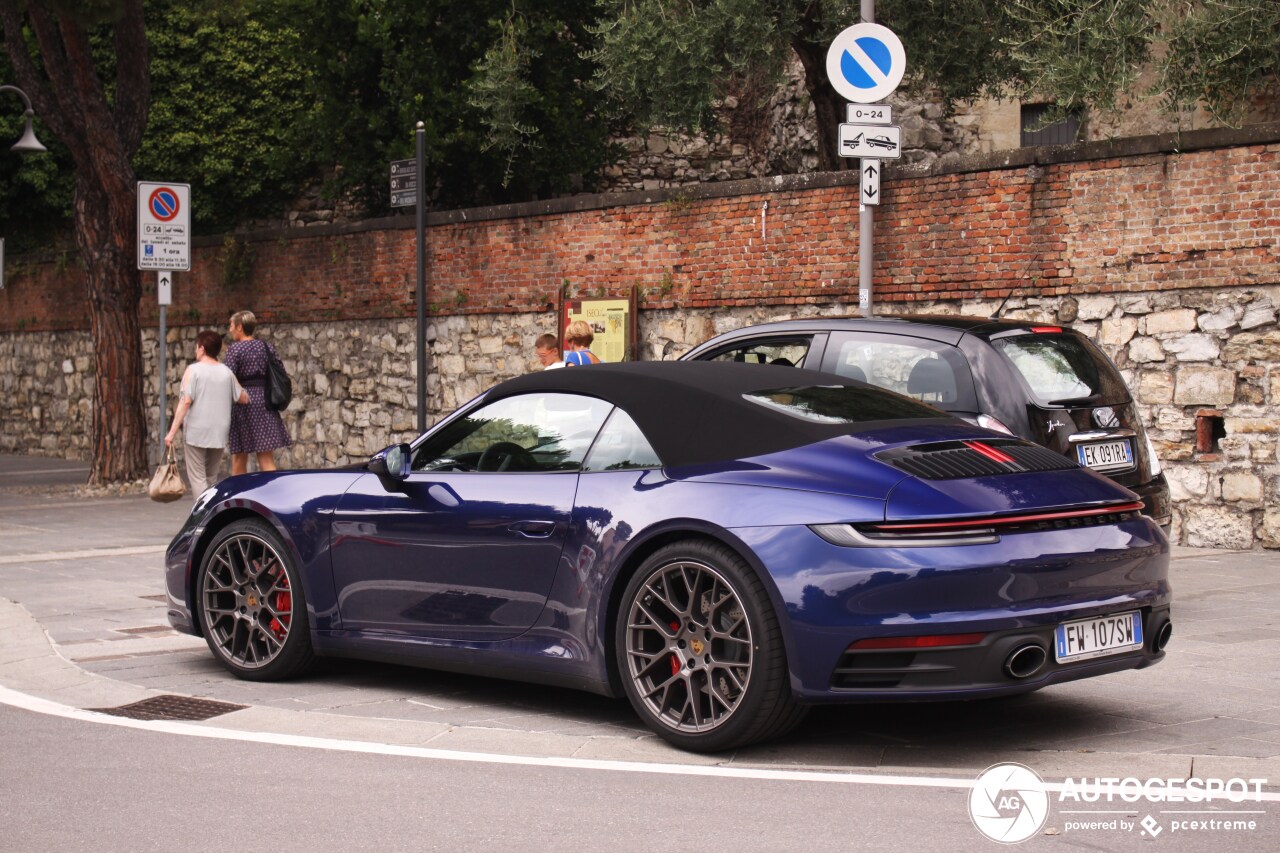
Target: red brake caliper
(284, 606)
(675, 661)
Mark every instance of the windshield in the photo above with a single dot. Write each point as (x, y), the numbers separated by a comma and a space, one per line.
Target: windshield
(1063, 370)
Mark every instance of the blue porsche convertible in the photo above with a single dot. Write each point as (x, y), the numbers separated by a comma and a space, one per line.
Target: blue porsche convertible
(725, 545)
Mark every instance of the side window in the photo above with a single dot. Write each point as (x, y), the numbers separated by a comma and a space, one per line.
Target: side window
(790, 352)
(931, 372)
(531, 432)
(620, 446)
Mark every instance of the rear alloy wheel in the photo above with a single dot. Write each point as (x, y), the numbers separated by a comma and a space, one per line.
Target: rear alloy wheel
(251, 604)
(700, 650)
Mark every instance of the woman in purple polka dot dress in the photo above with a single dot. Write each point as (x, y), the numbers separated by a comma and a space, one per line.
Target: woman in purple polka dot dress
(254, 428)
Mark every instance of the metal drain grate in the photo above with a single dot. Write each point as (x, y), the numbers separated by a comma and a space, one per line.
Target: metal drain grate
(172, 708)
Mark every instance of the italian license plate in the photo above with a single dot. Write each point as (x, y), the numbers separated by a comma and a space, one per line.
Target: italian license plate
(1106, 455)
(1095, 638)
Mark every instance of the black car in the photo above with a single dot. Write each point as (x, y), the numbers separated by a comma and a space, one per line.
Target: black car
(1043, 382)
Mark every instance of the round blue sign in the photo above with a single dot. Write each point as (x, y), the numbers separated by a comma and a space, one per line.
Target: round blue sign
(865, 63)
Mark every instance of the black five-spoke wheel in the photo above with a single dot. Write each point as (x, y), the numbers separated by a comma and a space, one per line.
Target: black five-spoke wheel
(251, 604)
(700, 650)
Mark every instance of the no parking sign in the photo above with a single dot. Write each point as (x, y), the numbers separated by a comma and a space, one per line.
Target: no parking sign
(164, 226)
(865, 63)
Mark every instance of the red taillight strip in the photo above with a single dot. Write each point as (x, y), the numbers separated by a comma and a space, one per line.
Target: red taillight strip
(990, 452)
(1047, 330)
(1006, 520)
(931, 641)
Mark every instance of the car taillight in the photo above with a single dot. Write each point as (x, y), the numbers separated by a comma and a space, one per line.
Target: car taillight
(1047, 330)
(988, 422)
(1151, 455)
(927, 533)
(868, 536)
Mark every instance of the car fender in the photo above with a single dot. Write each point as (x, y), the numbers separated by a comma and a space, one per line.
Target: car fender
(656, 536)
(305, 533)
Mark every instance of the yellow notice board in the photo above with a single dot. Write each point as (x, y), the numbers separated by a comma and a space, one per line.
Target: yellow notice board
(610, 321)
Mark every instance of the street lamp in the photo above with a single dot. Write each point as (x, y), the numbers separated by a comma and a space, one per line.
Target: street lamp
(28, 143)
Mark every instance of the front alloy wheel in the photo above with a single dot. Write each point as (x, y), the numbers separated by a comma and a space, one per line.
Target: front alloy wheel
(701, 652)
(251, 605)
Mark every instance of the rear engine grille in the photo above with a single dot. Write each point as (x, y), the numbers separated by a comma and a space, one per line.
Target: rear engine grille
(957, 460)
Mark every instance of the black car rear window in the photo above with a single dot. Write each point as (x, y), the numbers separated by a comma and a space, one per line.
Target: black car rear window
(1063, 369)
(842, 404)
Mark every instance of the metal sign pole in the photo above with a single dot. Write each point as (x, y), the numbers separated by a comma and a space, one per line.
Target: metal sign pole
(866, 216)
(163, 297)
(420, 204)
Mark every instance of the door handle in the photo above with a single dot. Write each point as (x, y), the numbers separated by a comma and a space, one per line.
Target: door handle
(534, 529)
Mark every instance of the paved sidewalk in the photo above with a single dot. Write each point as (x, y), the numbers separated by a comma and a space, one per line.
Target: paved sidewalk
(82, 623)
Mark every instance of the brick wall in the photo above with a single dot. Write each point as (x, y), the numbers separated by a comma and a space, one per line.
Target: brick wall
(1150, 221)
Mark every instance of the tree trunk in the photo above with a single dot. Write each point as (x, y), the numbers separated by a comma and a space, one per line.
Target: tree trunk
(67, 92)
(105, 238)
(828, 106)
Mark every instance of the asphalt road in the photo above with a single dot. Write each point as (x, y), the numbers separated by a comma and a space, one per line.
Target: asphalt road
(73, 785)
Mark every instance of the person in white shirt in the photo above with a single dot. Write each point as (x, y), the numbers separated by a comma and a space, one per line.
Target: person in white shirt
(209, 389)
(547, 348)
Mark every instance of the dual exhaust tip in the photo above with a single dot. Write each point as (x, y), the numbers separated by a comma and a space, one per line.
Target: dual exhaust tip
(1028, 659)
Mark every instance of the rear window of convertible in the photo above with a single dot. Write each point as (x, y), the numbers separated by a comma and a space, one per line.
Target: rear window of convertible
(842, 404)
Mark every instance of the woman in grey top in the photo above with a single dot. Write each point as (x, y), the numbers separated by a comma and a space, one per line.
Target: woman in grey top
(208, 391)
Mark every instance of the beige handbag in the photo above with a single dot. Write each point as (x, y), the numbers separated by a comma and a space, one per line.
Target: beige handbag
(167, 483)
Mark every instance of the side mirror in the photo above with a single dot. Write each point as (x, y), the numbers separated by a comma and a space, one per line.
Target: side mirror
(392, 465)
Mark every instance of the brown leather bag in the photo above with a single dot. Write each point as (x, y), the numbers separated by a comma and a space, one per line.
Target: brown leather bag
(166, 485)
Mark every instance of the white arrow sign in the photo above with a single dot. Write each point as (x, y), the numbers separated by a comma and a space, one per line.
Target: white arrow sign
(870, 181)
(164, 287)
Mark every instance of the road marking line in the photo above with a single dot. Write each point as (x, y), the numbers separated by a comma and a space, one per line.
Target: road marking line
(58, 556)
(14, 524)
(37, 705)
(44, 471)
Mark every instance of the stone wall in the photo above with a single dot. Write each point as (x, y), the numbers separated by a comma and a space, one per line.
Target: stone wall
(1182, 354)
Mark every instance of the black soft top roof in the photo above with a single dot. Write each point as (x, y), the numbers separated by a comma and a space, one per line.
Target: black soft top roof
(694, 412)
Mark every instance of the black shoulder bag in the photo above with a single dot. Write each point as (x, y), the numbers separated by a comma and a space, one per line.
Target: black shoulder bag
(279, 390)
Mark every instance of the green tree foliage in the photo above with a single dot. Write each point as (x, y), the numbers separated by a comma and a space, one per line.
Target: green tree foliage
(1078, 53)
(1224, 52)
(228, 95)
(499, 84)
(672, 60)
